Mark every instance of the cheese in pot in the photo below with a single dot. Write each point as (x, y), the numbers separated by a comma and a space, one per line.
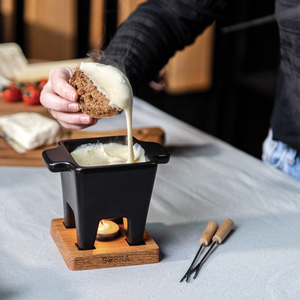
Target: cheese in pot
(100, 154)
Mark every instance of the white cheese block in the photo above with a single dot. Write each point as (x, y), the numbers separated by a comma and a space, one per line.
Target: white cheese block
(30, 130)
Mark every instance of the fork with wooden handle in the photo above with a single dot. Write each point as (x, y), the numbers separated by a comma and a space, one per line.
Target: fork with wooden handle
(217, 239)
(209, 231)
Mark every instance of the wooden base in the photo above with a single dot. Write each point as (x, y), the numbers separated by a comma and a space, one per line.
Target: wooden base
(106, 254)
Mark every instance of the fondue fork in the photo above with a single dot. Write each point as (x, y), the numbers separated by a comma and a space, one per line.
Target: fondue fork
(209, 231)
(217, 239)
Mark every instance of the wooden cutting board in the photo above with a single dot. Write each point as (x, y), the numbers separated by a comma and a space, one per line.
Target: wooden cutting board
(8, 108)
(8, 157)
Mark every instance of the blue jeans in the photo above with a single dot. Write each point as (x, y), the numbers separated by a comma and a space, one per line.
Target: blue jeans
(281, 156)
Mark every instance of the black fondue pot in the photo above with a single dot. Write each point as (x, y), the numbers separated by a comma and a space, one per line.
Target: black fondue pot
(91, 194)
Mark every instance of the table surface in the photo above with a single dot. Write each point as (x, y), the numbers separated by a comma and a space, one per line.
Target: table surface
(206, 179)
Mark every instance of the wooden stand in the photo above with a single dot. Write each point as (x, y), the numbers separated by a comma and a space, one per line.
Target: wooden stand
(107, 254)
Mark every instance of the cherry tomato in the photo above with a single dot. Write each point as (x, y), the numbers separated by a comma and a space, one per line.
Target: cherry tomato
(41, 83)
(21, 85)
(31, 95)
(11, 94)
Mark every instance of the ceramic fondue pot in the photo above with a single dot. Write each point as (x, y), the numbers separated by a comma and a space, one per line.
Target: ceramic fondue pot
(91, 194)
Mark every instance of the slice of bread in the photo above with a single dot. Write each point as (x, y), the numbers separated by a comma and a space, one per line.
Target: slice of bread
(91, 101)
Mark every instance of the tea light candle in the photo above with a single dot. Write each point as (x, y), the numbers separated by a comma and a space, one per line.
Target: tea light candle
(107, 230)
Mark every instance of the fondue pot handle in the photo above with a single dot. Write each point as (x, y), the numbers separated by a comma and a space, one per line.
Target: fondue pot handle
(156, 152)
(57, 159)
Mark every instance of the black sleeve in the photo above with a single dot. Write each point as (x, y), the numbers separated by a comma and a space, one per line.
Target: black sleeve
(144, 43)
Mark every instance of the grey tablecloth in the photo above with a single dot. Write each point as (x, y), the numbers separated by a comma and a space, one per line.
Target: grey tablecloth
(205, 179)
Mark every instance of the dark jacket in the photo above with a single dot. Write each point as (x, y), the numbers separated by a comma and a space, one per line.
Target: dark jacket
(285, 120)
(144, 43)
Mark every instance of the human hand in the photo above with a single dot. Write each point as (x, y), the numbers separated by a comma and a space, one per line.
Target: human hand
(60, 100)
(159, 84)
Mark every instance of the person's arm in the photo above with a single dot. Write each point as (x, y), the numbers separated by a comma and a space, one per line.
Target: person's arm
(141, 47)
(144, 43)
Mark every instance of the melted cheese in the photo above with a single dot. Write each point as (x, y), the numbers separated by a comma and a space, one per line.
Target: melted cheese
(116, 87)
(100, 154)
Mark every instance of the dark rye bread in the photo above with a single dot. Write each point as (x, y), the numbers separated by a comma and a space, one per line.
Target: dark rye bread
(92, 102)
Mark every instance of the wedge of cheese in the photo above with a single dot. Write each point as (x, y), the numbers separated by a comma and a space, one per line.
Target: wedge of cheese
(30, 130)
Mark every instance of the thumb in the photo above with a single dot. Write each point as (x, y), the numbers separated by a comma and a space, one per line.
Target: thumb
(59, 79)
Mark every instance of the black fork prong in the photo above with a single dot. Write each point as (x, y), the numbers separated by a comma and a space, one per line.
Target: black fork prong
(199, 265)
(186, 275)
